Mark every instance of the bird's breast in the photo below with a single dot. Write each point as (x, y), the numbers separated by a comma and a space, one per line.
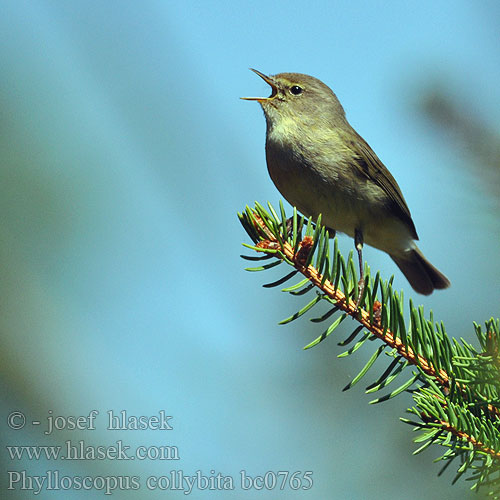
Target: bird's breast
(307, 181)
(323, 183)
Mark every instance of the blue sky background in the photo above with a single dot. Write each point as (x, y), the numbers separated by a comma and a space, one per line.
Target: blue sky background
(125, 155)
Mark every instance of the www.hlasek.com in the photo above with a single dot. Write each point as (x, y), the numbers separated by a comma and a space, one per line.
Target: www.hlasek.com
(80, 451)
(176, 480)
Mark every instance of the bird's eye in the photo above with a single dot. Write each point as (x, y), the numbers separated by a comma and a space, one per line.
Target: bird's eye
(296, 90)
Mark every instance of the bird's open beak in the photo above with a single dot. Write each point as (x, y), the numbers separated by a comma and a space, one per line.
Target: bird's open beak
(268, 80)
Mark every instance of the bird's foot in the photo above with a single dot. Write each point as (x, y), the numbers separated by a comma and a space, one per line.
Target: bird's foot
(361, 291)
(289, 227)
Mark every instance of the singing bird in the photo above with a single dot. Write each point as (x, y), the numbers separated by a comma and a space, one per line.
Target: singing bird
(321, 165)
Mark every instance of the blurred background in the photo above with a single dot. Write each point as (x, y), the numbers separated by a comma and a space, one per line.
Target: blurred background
(125, 156)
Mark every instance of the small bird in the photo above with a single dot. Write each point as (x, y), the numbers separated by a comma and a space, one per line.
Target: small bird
(321, 165)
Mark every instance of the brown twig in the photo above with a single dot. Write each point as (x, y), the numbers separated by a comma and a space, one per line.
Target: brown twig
(446, 426)
(349, 306)
(299, 258)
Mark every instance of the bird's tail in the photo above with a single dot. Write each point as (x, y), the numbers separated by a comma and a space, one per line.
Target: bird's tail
(421, 274)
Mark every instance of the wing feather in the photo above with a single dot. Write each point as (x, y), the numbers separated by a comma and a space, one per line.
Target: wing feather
(370, 166)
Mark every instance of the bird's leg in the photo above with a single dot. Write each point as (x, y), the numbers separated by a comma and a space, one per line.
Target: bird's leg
(300, 225)
(358, 242)
(289, 227)
(331, 232)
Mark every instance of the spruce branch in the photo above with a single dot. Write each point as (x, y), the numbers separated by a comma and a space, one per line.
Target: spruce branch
(455, 387)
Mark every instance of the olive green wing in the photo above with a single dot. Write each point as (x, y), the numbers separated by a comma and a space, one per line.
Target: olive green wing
(370, 166)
